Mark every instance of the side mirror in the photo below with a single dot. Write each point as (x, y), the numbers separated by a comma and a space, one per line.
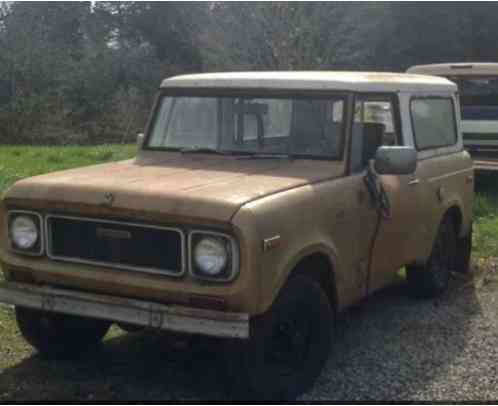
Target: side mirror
(140, 140)
(395, 161)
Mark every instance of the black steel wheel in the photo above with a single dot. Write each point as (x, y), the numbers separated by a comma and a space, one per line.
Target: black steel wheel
(60, 336)
(288, 347)
(432, 279)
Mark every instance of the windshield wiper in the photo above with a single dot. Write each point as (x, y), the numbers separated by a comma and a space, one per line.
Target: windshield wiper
(265, 156)
(238, 154)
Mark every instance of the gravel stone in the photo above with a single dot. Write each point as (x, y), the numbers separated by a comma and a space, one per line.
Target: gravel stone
(397, 348)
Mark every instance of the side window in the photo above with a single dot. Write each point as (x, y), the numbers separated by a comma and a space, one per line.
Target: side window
(380, 112)
(433, 121)
(373, 126)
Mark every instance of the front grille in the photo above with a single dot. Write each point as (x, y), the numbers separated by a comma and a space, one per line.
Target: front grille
(116, 244)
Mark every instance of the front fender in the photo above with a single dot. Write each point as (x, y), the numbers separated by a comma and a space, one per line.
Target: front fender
(283, 267)
(289, 226)
(272, 264)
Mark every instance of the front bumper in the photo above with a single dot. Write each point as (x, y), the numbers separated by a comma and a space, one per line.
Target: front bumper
(149, 314)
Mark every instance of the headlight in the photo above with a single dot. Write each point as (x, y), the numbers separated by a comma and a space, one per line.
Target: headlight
(24, 232)
(213, 256)
(210, 255)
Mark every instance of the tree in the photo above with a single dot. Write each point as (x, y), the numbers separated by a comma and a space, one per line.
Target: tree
(279, 35)
(87, 72)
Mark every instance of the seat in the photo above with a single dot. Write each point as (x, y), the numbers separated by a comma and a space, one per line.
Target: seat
(373, 138)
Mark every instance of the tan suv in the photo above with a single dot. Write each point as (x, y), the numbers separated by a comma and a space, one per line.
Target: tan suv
(259, 205)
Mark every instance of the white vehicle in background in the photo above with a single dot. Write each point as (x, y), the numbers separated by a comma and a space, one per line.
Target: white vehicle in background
(478, 88)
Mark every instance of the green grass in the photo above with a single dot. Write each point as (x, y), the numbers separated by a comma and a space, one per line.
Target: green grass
(17, 162)
(485, 241)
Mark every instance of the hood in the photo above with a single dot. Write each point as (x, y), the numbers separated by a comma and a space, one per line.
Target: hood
(190, 185)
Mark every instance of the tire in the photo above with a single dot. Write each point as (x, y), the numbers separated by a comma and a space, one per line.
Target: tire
(464, 252)
(58, 336)
(288, 347)
(432, 279)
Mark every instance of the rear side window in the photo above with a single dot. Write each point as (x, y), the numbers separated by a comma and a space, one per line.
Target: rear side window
(433, 122)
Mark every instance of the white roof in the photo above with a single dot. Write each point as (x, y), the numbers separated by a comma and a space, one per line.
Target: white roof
(457, 69)
(313, 80)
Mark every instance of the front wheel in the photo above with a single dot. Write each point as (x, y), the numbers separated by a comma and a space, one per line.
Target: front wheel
(432, 279)
(289, 345)
(57, 335)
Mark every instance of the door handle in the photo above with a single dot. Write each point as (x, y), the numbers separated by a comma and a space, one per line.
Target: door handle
(414, 182)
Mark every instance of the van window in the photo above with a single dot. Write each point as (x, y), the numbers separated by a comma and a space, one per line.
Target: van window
(433, 121)
(478, 97)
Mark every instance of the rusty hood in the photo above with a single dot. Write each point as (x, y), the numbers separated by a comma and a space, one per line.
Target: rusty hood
(199, 186)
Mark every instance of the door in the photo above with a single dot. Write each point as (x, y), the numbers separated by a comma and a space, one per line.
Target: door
(397, 230)
(443, 171)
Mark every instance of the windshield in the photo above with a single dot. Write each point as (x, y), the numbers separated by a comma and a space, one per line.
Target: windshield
(478, 97)
(308, 127)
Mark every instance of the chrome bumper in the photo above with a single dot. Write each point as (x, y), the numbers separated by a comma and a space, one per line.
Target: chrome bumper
(148, 314)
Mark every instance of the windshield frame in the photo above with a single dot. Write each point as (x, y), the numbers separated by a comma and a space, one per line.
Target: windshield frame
(252, 93)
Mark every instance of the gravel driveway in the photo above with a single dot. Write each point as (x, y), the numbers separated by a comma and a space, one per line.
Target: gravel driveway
(391, 347)
(395, 347)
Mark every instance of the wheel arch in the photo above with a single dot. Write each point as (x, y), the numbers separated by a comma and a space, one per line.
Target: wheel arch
(459, 214)
(453, 210)
(318, 266)
(318, 262)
